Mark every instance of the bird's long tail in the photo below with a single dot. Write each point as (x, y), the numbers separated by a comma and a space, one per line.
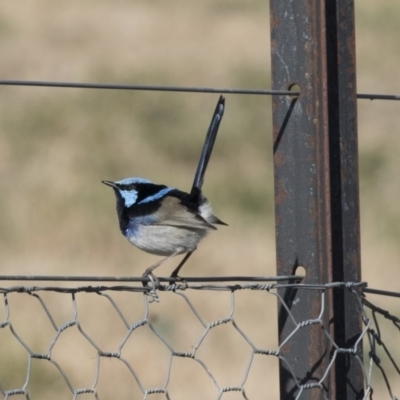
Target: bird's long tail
(208, 146)
(203, 162)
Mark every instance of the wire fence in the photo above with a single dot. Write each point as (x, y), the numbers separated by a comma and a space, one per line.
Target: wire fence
(146, 354)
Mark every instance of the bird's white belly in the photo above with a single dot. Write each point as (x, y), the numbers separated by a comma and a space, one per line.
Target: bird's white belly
(165, 240)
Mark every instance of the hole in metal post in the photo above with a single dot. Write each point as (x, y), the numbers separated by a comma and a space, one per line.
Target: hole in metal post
(295, 88)
(299, 270)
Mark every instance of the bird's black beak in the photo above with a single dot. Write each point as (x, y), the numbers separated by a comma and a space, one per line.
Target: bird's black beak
(110, 183)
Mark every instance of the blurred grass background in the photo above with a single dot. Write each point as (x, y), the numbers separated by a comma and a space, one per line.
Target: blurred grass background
(56, 145)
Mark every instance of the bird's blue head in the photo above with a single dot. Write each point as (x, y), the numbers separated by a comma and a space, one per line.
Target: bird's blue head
(136, 191)
(127, 190)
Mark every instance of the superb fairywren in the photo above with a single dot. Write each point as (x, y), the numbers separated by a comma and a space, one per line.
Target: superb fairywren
(166, 221)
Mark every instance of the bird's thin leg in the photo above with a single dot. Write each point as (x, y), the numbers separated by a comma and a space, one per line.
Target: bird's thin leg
(150, 269)
(178, 268)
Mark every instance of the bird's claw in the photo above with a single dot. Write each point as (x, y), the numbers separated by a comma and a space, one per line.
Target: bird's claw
(155, 285)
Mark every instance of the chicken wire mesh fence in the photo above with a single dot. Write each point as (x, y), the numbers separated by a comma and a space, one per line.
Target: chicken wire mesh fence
(199, 340)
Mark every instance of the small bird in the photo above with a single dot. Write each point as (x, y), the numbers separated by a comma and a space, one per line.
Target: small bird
(166, 221)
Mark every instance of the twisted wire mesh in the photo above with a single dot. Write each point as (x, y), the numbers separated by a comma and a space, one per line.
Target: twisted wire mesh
(73, 346)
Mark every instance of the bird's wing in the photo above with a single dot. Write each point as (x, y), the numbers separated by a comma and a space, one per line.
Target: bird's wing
(172, 212)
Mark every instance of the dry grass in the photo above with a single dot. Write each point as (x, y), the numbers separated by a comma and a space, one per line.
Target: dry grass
(56, 145)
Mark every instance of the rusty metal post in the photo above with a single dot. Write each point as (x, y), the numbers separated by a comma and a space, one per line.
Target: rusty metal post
(316, 188)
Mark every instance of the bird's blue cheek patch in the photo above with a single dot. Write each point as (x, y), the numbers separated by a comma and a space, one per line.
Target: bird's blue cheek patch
(157, 196)
(130, 197)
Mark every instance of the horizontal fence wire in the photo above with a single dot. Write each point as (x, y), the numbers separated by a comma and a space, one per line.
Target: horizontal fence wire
(146, 279)
(187, 89)
(148, 335)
